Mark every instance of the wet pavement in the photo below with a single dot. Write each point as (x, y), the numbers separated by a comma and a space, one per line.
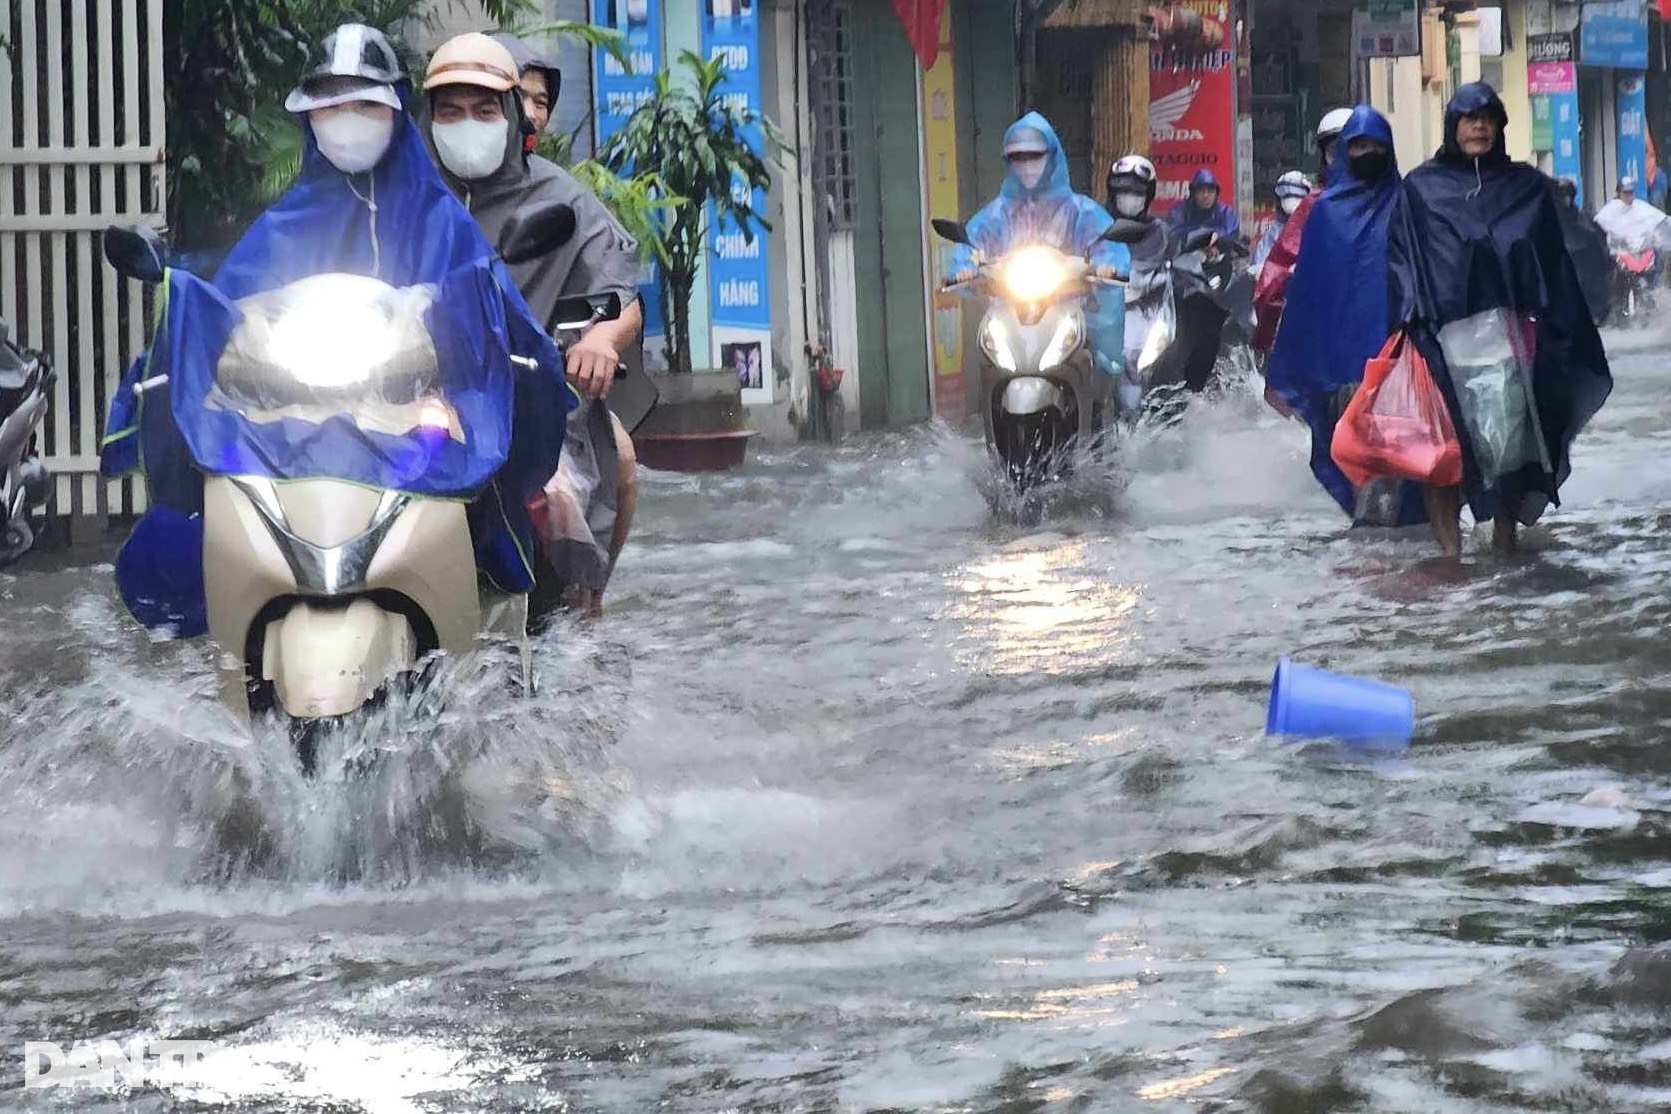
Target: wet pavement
(860, 801)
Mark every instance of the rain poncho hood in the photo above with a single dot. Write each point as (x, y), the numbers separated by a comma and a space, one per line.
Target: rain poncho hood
(1186, 216)
(1472, 235)
(1337, 310)
(1052, 213)
(396, 223)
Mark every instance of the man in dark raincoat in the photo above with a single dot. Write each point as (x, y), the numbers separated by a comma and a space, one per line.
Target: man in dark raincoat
(1587, 244)
(1477, 231)
(368, 202)
(1337, 311)
(478, 126)
(1203, 209)
(1037, 205)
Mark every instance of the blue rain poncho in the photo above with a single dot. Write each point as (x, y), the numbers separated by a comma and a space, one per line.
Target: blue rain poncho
(1186, 216)
(1477, 234)
(415, 233)
(1338, 315)
(1051, 213)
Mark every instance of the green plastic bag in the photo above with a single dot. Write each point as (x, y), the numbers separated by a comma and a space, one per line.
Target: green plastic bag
(1489, 358)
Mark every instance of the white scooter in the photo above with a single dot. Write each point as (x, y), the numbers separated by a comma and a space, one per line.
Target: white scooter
(321, 592)
(25, 381)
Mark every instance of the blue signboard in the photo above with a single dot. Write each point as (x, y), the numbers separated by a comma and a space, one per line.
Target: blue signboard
(1632, 103)
(1614, 33)
(1567, 160)
(618, 91)
(738, 265)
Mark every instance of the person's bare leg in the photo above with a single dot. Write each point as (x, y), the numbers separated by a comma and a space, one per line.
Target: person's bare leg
(1505, 531)
(626, 503)
(1444, 511)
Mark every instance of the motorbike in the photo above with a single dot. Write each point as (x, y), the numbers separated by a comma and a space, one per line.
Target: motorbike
(1212, 307)
(26, 378)
(1040, 389)
(323, 594)
(1636, 274)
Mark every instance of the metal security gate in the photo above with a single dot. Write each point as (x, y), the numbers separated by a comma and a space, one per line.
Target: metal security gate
(81, 105)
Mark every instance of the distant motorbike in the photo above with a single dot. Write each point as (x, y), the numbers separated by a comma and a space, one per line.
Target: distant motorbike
(1211, 307)
(1636, 275)
(322, 592)
(1041, 391)
(25, 379)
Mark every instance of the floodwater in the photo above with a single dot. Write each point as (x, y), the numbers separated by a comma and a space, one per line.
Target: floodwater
(858, 801)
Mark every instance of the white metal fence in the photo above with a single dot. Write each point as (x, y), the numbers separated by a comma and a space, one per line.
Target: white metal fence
(81, 105)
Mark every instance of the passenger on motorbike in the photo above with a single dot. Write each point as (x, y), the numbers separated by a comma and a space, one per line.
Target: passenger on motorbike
(368, 202)
(1271, 291)
(1291, 189)
(1037, 205)
(1633, 227)
(540, 80)
(478, 127)
(1131, 192)
(1203, 209)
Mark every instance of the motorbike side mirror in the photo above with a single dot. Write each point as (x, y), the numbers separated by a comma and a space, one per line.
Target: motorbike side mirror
(1124, 231)
(951, 230)
(135, 251)
(536, 230)
(1199, 240)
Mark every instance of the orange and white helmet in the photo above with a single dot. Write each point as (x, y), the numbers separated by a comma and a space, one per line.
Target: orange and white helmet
(473, 59)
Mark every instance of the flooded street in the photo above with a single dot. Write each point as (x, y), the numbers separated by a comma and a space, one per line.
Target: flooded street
(859, 801)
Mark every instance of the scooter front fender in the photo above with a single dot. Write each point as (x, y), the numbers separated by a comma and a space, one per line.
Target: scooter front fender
(327, 658)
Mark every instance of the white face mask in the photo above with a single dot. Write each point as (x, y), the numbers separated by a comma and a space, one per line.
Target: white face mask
(1130, 204)
(1289, 204)
(352, 142)
(1029, 172)
(472, 149)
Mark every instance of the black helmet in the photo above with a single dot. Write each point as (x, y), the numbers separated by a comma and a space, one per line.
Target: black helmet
(351, 51)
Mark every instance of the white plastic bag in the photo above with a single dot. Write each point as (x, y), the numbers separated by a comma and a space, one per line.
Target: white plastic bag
(1489, 365)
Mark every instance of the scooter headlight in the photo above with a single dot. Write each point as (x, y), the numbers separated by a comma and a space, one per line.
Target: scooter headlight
(1070, 330)
(1156, 343)
(1034, 274)
(995, 341)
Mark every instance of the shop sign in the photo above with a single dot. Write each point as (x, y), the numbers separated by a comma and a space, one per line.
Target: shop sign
(1388, 29)
(1614, 33)
(1192, 91)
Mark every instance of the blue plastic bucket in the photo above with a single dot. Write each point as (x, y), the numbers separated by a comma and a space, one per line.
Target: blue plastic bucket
(1318, 704)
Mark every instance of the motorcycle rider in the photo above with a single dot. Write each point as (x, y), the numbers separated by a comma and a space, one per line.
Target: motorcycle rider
(478, 128)
(1271, 291)
(1203, 209)
(1037, 205)
(1131, 192)
(368, 201)
(1632, 225)
(1291, 189)
(540, 79)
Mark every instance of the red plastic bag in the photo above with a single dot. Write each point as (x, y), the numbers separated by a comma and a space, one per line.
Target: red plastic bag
(1398, 424)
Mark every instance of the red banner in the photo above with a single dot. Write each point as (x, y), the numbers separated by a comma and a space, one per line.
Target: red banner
(922, 26)
(1192, 99)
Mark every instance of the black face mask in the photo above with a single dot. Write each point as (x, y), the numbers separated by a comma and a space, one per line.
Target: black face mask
(1370, 166)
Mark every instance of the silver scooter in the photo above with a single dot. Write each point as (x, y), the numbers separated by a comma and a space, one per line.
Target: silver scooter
(1040, 389)
(26, 380)
(322, 593)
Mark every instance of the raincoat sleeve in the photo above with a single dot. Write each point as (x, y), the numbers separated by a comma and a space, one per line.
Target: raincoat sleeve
(988, 232)
(1271, 292)
(608, 261)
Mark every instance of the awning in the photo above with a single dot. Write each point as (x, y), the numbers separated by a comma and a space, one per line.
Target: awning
(922, 26)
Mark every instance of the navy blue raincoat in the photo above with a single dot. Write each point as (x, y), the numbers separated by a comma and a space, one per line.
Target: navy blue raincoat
(1051, 213)
(1472, 235)
(1186, 216)
(400, 224)
(1337, 315)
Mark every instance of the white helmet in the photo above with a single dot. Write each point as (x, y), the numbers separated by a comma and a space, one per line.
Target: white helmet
(1134, 173)
(1293, 184)
(1332, 124)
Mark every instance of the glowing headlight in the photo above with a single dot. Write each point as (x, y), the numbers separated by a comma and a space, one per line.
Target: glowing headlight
(1034, 274)
(1156, 343)
(995, 340)
(333, 337)
(1065, 343)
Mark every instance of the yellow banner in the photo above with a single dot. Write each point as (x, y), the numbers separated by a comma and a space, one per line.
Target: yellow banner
(939, 111)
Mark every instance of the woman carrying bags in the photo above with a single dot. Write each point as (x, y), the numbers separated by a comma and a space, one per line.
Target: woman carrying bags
(1483, 283)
